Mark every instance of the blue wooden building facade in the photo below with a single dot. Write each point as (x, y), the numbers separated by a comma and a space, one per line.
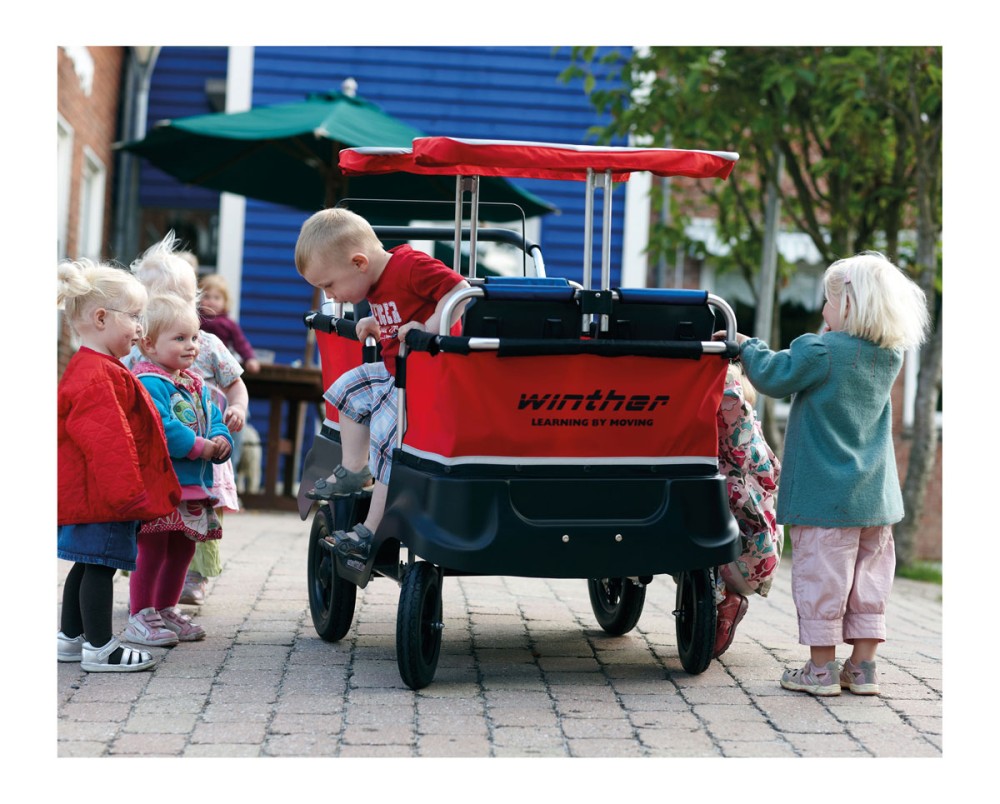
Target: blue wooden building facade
(482, 92)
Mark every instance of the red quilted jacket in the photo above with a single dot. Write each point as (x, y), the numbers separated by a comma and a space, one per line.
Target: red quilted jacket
(113, 460)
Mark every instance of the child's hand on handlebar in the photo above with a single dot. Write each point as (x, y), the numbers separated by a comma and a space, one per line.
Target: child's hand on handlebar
(721, 336)
(366, 327)
(414, 326)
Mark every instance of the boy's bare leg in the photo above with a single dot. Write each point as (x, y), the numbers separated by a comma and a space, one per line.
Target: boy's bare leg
(377, 507)
(354, 442)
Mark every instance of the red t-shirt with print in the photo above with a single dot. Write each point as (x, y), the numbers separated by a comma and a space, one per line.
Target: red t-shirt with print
(409, 289)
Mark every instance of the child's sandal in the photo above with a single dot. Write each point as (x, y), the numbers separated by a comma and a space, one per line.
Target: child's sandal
(353, 543)
(95, 660)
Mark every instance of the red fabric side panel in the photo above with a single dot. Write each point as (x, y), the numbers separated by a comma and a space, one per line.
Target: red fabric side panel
(337, 355)
(563, 407)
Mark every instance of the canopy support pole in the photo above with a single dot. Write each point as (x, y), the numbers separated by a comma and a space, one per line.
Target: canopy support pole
(459, 196)
(606, 244)
(588, 234)
(473, 225)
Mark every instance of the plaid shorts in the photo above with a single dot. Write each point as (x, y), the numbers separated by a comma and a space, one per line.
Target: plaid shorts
(367, 394)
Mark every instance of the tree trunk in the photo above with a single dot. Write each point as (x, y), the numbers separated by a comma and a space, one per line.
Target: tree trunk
(922, 452)
(924, 437)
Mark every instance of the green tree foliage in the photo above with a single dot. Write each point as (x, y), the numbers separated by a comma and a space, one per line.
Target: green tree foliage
(842, 118)
(859, 129)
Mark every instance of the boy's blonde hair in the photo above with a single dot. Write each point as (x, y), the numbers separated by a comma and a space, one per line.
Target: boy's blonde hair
(878, 302)
(164, 310)
(162, 269)
(338, 230)
(85, 285)
(215, 282)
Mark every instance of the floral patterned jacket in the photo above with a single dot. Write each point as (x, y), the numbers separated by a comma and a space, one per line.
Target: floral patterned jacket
(751, 471)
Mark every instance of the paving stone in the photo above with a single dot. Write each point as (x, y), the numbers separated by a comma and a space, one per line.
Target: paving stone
(161, 723)
(149, 744)
(601, 747)
(234, 750)
(81, 748)
(229, 732)
(445, 745)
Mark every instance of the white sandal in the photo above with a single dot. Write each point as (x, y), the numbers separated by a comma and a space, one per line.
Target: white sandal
(95, 660)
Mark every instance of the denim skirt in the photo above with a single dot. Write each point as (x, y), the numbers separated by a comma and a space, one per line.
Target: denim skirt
(109, 543)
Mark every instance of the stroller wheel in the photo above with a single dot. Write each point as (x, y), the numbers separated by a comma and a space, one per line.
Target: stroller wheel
(418, 625)
(617, 603)
(695, 620)
(331, 598)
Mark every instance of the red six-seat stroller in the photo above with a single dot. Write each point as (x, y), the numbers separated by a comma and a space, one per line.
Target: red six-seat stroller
(566, 432)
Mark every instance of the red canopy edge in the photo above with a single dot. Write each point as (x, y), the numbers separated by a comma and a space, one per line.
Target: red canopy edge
(539, 160)
(373, 161)
(557, 160)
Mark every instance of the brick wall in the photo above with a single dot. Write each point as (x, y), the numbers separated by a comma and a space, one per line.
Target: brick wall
(94, 120)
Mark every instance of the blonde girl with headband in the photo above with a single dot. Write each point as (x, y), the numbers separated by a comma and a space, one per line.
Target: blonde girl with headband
(163, 268)
(114, 469)
(840, 491)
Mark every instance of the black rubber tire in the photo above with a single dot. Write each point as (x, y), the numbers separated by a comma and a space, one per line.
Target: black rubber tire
(331, 598)
(695, 620)
(617, 603)
(418, 625)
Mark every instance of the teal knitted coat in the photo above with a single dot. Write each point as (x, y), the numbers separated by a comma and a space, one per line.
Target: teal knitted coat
(839, 465)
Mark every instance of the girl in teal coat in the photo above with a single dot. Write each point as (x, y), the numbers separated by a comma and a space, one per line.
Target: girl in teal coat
(840, 491)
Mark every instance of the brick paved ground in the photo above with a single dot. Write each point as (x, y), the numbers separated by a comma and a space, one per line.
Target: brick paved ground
(524, 672)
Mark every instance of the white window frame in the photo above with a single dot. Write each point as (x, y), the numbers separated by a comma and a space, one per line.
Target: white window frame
(64, 179)
(93, 192)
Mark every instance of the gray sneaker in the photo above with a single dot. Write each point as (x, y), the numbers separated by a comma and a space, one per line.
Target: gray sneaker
(861, 678)
(815, 680)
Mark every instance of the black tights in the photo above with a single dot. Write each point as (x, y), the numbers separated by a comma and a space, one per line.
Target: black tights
(88, 596)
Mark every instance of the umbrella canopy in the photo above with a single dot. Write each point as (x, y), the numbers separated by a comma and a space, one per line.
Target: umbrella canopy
(288, 154)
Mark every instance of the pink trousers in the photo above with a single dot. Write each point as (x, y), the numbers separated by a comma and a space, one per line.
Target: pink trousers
(841, 579)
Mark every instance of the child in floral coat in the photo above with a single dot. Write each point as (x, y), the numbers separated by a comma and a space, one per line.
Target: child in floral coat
(751, 471)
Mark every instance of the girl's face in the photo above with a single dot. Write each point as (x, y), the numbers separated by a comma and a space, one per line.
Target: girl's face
(116, 331)
(831, 314)
(213, 302)
(176, 347)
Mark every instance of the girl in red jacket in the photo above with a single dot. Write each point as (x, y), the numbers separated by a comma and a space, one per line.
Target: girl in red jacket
(114, 469)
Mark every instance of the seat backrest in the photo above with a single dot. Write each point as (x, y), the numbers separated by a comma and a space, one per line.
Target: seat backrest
(649, 322)
(519, 307)
(521, 318)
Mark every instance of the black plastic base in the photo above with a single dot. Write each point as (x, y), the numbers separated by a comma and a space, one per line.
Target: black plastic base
(560, 522)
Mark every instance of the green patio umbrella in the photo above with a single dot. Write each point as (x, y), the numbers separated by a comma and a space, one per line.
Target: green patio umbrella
(287, 154)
